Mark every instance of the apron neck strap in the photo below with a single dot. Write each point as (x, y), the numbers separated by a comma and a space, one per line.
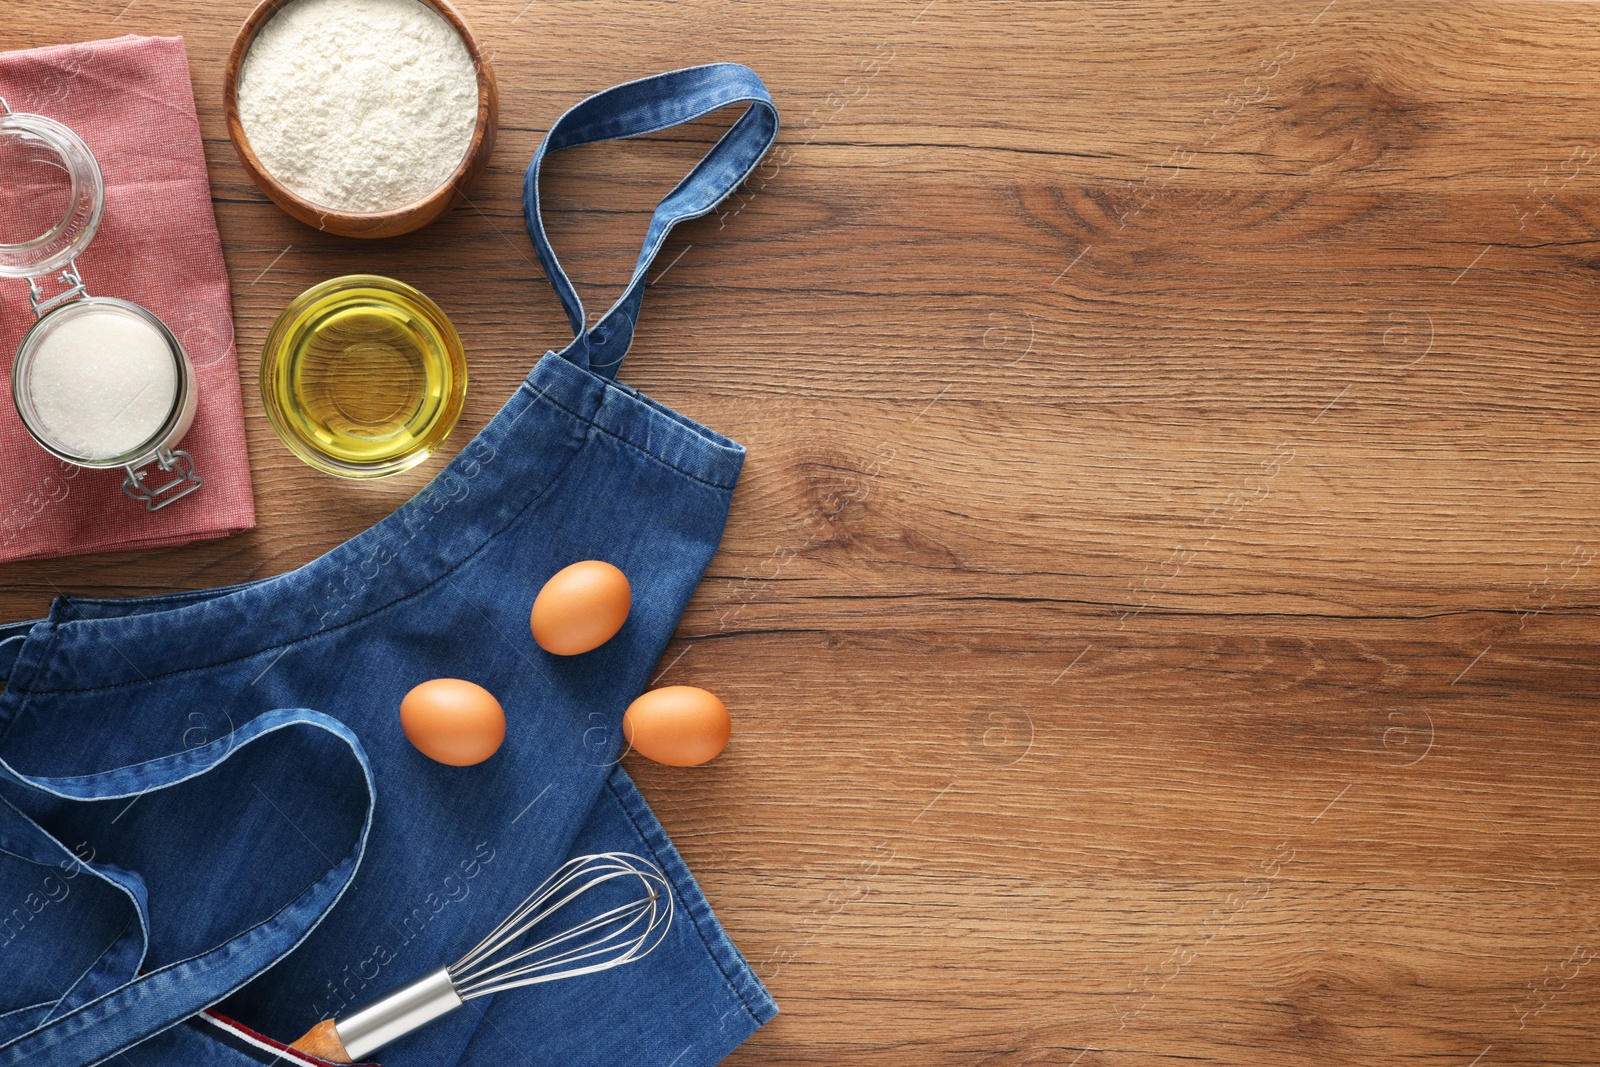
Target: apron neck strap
(630, 110)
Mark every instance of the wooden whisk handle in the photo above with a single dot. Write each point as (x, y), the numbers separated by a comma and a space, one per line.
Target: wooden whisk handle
(322, 1041)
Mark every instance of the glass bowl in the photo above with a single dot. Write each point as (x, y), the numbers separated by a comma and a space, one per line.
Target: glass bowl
(363, 376)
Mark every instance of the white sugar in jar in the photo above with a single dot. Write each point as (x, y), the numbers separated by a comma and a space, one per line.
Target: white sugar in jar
(102, 383)
(97, 382)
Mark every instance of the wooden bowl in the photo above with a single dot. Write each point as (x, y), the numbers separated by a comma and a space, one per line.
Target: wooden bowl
(395, 221)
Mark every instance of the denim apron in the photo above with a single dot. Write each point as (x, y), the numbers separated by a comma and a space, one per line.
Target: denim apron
(177, 824)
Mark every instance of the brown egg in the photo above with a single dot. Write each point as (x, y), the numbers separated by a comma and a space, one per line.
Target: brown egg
(581, 608)
(452, 721)
(678, 725)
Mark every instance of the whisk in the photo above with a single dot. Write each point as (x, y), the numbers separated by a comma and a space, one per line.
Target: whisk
(620, 934)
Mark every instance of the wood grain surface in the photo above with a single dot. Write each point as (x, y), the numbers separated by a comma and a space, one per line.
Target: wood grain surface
(1158, 611)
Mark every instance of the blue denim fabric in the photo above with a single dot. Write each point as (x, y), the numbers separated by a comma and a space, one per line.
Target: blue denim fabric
(176, 830)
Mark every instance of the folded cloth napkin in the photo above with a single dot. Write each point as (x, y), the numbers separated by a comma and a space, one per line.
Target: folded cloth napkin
(157, 246)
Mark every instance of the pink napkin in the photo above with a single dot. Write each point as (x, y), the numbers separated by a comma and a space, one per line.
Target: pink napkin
(130, 100)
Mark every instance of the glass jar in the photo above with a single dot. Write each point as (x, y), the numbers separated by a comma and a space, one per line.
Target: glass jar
(98, 382)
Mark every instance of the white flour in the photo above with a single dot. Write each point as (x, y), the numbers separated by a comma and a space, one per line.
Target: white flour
(358, 105)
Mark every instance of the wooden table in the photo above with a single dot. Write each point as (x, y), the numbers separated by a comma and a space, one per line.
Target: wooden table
(1158, 612)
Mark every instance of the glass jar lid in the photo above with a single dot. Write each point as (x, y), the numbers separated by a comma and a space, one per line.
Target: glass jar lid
(51, 194)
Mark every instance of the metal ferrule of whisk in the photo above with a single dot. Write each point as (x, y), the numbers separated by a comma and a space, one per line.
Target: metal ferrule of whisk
(413, 1005)
(621, 933)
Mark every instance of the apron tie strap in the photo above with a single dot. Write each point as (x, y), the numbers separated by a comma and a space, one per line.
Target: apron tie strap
(106, 1010)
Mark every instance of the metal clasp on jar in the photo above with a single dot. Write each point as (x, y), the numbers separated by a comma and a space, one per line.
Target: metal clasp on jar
(158, 497)
(43, 305)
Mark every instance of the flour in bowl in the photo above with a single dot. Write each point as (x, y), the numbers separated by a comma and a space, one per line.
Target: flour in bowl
(358, 105)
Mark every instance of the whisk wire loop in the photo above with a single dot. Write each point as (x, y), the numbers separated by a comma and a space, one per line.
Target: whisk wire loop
(621, 934)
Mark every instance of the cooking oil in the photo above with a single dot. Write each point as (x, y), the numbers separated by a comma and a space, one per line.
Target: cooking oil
(363, 376)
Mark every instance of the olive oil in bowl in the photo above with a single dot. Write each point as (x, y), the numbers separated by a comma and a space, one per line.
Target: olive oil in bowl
(363, 376)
